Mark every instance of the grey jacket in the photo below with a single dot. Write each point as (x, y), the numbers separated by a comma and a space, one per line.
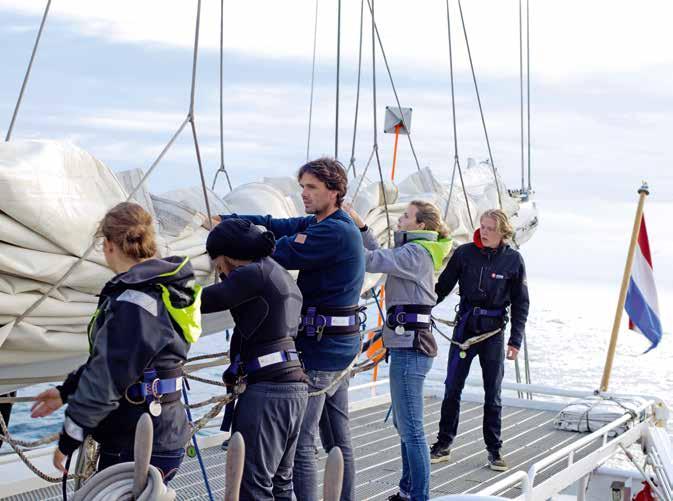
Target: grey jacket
(410, 280)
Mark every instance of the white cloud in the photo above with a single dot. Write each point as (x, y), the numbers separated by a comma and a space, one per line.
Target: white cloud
(568, 39)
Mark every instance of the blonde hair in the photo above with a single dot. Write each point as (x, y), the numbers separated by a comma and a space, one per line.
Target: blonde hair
(130, 227)
(502, 224)
(429, 214)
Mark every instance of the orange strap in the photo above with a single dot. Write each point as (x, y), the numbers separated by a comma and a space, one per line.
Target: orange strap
(397, 137)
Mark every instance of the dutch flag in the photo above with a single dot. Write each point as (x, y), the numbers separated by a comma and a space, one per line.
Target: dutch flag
(641, 304)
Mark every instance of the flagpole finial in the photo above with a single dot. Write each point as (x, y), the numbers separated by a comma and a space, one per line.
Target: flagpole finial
(644, 188)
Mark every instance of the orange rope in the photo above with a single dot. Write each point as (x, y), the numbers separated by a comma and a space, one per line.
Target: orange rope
(375, 348)
(397, 137)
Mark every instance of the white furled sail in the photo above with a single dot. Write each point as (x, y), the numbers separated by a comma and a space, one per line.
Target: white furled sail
(53, 196)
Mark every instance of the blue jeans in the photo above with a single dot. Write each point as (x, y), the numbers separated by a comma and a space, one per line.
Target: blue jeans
(408, 368)
(335, 403)
(167, 462)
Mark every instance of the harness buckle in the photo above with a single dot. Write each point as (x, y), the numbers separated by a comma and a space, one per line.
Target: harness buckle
(154, 389)
(129, 399)
(361, 317)
(319, 330)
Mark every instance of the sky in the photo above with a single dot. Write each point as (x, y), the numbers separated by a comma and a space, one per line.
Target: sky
(114, 78)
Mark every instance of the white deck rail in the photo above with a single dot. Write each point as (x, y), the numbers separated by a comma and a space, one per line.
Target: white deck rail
(575, 471)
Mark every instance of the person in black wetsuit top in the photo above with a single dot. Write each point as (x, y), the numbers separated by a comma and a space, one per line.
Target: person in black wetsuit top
(492, 283)
(265, 303)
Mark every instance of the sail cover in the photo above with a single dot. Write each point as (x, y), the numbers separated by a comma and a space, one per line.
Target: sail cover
(54, 194)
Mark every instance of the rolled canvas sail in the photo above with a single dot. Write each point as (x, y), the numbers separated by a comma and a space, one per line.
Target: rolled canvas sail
(53, 195)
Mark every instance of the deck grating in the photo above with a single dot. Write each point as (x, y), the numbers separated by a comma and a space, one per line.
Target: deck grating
(528, 435)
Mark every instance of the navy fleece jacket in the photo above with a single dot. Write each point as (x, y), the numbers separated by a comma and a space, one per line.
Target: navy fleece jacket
(331, 264)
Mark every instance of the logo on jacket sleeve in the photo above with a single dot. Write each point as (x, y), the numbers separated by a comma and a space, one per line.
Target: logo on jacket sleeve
(300, 238)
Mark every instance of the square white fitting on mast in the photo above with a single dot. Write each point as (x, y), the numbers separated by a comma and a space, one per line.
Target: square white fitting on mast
(397, 116)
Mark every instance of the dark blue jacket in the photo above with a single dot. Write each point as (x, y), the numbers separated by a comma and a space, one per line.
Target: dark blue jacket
(132, 330)
(331, 264)
(490, 279)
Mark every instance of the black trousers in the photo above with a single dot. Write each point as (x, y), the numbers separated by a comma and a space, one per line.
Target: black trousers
(492, 360)
(269, 416)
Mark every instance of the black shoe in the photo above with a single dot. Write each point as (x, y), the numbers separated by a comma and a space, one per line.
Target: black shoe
(439, 452)
(496, 462)
(397, 497)
(225, 445)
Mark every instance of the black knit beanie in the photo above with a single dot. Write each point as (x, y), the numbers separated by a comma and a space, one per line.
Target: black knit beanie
(239, 239)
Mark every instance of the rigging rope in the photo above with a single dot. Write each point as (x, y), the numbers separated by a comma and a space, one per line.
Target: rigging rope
(481, 110)
(27, 75)
(22, 455)
(521, 89)
(188, 119)
(218, 402)
(222, 167)
(528, 85)
(456, 159)
(310, 106)
(448, 201)
(357, 96)
(364, 174)
(338, 69)
(375, 31)
(376, 140)
(192, 119)
(469, 342)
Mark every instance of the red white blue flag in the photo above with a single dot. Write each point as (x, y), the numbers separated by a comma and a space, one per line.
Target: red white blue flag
(641, 304)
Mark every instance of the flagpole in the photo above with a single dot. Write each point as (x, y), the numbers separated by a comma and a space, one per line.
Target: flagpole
(643, 192)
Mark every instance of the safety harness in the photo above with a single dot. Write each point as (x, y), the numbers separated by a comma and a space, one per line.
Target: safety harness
(317, 321)
(403, 318)
(156, 387)
(459, 333)
(239, 370)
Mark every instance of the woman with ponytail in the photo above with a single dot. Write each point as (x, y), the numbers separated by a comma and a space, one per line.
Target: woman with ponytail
(421, 244)
(147, 317)
(265, 303)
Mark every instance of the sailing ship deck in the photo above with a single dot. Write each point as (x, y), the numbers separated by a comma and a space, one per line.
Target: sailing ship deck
(528, 435)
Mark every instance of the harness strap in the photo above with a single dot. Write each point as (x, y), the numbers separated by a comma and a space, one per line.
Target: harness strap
(319, 321)
(409, 316)
(164, 386)
(476, 311)
(240, 369)
(483, 312)
(272, 360)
